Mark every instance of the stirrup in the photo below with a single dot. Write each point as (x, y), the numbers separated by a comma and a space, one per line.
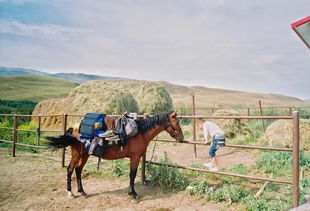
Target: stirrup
(107, 134)
(112, 138)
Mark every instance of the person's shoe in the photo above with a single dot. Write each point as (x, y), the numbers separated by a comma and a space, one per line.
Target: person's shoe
(208, 165)
(214, 169)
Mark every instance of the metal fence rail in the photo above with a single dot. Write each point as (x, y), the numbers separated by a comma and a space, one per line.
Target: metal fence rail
(295, 149)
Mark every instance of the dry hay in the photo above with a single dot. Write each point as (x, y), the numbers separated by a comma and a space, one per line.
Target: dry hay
(232, 127)
(111, 97)
(280, 133)
(150, 97)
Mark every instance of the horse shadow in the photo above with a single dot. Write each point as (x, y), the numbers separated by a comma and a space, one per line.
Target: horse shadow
(145, 192)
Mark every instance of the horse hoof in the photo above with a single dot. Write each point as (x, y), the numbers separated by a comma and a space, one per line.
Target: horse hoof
(134, 196)
(83, 194)
(134, 201)
(70, 195)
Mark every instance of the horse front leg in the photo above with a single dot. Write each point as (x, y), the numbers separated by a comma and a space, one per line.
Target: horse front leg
(134, 163)
(78, 171)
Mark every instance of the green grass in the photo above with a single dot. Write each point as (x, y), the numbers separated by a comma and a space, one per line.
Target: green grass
(169, 179)
(33, 88)
(115, 169)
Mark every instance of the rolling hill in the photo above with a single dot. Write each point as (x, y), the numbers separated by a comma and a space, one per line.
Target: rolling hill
(34, 88)
(72, 77)
(47, 86)
(209, 97)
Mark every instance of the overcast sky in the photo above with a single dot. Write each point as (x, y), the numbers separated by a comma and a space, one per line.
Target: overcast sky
(233, 44)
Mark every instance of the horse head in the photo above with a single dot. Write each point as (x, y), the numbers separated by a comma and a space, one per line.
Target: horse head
(173, 127)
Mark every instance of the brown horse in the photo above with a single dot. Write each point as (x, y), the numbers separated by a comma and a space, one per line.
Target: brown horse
(136, 147)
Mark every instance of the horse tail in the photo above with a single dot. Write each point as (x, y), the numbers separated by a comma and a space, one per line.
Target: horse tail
(62, 141)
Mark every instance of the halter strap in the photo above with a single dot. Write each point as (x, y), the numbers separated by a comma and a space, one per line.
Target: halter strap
(176, 132)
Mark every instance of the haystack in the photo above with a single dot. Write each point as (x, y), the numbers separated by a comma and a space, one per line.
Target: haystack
(232, 127)
(280, 133)
(111, 97)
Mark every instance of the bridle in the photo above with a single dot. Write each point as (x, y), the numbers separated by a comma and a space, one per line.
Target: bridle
(169, 125)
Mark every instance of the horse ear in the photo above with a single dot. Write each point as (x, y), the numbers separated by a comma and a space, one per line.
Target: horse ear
(173, 114)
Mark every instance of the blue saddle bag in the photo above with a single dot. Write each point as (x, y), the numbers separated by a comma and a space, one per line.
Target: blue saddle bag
(87, 125)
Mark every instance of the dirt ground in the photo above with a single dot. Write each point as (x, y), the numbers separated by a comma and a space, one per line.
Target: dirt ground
(33, 181)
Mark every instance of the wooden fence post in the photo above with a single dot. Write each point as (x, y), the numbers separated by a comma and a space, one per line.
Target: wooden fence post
(64, 129)
(39, 130)
(295, 184)
(248, 111)
(98, 163)
(261, 113)
(194, 123)
(14, 134)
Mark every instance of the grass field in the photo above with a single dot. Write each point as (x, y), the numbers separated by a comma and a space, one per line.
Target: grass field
(34, 88)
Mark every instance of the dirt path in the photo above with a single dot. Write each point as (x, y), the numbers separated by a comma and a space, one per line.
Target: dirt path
(36, 182)
(183, 154)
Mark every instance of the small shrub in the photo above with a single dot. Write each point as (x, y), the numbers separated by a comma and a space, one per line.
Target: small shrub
(122, 102)
(199, 189)
(303, 160)
(6, 134)
(264, 203)
(280, 163)
(274, 162)
(119, 167)
(169, 179)
(305, 183)
(229, 193)
(27, 137)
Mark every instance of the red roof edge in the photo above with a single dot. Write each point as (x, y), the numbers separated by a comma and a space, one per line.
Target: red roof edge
(300, 22)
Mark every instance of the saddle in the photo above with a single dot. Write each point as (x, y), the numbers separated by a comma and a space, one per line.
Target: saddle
(98, 131)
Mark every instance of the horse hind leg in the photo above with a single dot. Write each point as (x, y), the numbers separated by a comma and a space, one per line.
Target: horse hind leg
(70, 170)
(78, 171)
(75, 157)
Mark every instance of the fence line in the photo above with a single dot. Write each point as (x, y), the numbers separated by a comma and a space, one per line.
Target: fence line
(248, 110)
(223, 173)
(295, 149)
(231, 145)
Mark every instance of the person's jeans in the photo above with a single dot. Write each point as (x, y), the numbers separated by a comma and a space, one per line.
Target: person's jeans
(215, 145)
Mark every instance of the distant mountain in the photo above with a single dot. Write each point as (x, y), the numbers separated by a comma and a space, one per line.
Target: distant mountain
(8, 71)
(81, 78)
(72, 77)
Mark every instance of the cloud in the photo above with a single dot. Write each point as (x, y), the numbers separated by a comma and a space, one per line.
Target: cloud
(43, 31)
(228, 44)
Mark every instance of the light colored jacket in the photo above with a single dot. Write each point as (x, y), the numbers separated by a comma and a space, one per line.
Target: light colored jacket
(211, 129)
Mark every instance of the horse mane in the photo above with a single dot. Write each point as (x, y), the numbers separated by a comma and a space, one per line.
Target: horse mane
(147, 124)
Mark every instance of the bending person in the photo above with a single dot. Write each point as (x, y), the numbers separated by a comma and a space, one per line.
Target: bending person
(215, 136)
